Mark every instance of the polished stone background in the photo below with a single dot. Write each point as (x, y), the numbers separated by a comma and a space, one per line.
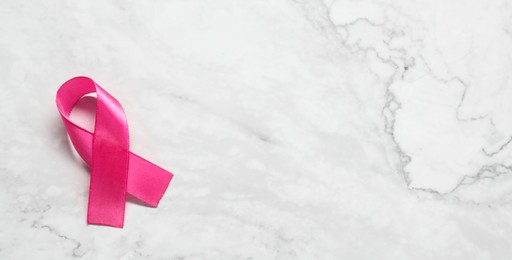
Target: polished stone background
(341, 129)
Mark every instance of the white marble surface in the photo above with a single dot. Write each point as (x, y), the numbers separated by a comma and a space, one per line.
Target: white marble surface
(314, 129)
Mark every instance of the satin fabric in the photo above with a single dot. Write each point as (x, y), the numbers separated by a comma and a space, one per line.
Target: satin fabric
(115, 170)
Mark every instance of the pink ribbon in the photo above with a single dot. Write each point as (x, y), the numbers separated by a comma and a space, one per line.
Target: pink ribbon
(114, 169)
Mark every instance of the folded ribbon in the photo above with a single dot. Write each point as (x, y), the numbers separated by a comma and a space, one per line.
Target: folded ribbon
(114, 169)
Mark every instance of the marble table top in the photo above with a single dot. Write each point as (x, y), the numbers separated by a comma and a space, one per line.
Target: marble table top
(368, 129)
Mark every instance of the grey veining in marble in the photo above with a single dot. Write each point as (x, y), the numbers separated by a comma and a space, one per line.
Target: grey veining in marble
(346, 129)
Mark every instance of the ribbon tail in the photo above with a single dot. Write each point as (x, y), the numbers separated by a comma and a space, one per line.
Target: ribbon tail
(110, 160)
(146, 181)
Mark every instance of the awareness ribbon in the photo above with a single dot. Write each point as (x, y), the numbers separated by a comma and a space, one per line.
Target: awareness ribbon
(114, 169)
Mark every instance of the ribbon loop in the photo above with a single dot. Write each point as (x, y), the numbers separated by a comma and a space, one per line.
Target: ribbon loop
(114, 169)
